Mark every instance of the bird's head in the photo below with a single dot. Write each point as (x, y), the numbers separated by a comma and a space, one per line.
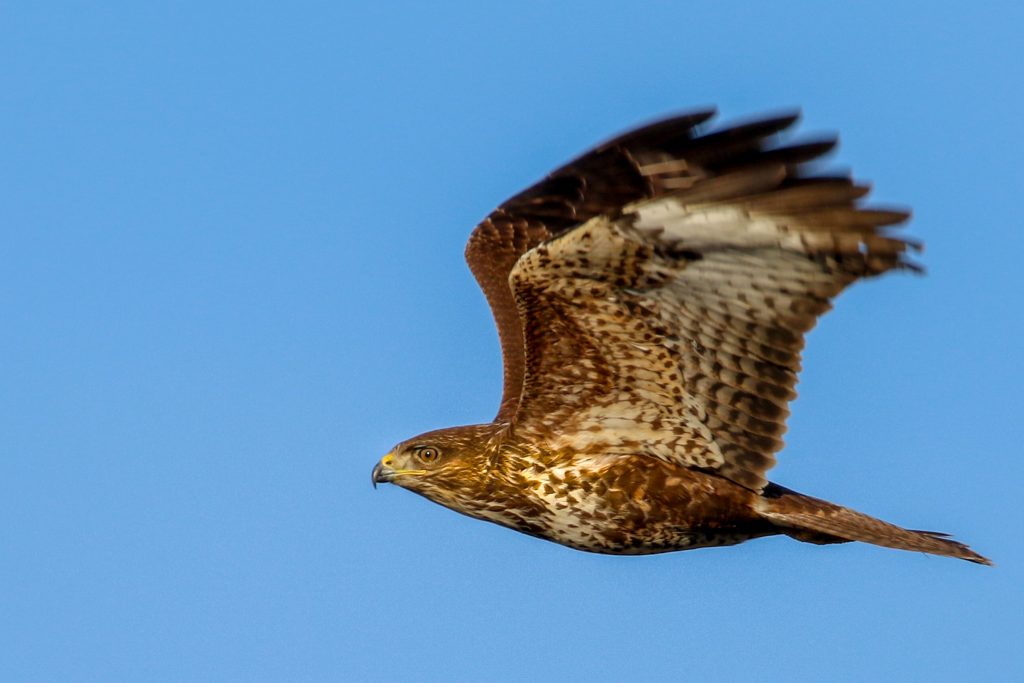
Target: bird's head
(446, 465)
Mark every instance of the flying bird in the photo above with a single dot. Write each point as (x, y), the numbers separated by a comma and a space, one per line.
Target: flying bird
(652, 298)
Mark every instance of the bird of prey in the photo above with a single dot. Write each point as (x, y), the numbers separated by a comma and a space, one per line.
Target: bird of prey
(652, 298)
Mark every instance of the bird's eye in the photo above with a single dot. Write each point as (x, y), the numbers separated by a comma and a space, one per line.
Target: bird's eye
(428, 454)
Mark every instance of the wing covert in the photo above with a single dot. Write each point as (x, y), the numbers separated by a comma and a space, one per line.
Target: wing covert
(674, 327)
(599, 182)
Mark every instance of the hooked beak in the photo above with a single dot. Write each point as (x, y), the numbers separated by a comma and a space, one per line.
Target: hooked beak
(382, 472)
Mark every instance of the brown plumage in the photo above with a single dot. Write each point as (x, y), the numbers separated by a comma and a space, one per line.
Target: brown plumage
(651, 299)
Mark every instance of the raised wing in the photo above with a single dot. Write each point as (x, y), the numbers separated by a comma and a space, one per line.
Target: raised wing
(674, 326)
(599, 182)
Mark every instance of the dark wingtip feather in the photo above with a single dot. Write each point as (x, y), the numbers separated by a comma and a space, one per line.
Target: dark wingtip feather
(802, 152)
(660, 130)
(760, 126)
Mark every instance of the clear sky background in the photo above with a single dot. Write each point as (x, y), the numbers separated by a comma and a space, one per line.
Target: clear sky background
(231, 278)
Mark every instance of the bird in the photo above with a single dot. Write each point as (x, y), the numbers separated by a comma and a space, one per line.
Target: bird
(652, 297)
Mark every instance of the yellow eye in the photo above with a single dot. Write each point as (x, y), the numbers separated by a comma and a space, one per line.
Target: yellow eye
(427, 454)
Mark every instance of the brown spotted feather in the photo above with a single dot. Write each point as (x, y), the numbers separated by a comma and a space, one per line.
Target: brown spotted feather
(599, 182)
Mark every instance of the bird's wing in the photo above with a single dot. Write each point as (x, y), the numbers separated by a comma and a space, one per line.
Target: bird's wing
(673, 325)
(600, 182)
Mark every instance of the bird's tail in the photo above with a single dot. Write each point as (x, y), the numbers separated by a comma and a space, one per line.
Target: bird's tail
(818, 521)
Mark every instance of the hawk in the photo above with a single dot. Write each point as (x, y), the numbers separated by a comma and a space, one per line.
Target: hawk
(652, 298)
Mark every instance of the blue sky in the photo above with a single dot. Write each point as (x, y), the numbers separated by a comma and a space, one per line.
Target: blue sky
(231, 277)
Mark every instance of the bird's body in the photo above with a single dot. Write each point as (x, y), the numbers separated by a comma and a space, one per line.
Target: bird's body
(631, 505)
(652, 298)
(608, 503)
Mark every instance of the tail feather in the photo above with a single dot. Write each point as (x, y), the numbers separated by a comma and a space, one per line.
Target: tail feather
(797, 515)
